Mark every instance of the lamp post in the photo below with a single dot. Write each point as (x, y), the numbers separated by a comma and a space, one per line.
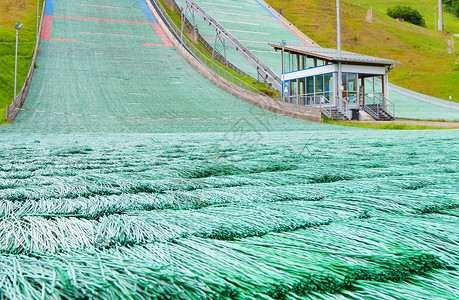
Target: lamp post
(38, 8)
(18, 26)
(283, 43)
(435, 17)
(338, 41)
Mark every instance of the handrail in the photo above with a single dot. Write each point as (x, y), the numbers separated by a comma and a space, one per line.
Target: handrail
(207, 46)
(261, 67)
(326, 110)
(188, 45)
(392, 106)
(341, 105)
(371, 112)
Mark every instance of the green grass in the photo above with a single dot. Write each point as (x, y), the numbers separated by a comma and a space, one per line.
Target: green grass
(426, 67)
(425, 7)
(11, 11)
(388, 125)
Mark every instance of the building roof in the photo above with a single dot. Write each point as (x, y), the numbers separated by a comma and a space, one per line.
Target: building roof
(332, 55)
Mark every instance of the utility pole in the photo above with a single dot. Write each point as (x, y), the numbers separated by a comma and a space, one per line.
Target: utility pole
(440, 16)
(283, 43)
(338, 39)
(18, 26)
(435, 17)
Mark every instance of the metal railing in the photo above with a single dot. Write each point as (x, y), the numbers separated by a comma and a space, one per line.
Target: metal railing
(202, 41)
(390, 107)
(376, 104)
(341, 105)
(188, 45)
(326, 109)
(311, 99)
(262, 68)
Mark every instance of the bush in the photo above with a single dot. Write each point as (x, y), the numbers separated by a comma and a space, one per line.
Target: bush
(452, 6)
(407, 13)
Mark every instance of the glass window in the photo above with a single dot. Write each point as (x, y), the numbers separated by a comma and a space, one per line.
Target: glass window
(310, 85)
(319, 83)
(302, 86)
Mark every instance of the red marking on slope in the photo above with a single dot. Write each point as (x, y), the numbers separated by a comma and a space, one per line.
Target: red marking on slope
(156, 45)
(101, 20)
(46, 30)
(162, 35)
(295, 33)
(270, 18)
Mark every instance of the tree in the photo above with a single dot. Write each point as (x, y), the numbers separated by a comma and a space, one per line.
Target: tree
(407, 13)
(452, 6)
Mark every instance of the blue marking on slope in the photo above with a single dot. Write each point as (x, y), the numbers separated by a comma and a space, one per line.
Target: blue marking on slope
(49, 7)
(265, 8)
(147, 12)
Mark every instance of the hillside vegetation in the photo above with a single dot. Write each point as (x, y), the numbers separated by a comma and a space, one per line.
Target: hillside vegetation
(426, 66)
(11, 11)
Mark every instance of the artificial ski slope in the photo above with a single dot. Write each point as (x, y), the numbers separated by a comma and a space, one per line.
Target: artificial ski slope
(128, 175)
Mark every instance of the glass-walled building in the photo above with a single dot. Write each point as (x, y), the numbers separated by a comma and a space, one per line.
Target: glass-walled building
(318, 77)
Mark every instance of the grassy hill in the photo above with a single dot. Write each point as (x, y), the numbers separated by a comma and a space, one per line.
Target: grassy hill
(425, 7)
(11, 11)
(426, 67)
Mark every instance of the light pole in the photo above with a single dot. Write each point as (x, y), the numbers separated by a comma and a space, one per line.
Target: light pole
(435, 17)
(283, 43)
(338, 40)
(38, 8)
(18, 26)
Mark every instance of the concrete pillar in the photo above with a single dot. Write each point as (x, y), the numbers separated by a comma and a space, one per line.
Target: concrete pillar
(385, 82)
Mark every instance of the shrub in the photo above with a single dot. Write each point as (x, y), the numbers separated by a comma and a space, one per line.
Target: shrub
(452, 6)
(407, 13)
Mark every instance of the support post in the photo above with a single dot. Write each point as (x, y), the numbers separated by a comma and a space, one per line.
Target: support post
(435, 18)
(16, 63)
(440, 15)
(338, 41)
(282, 75)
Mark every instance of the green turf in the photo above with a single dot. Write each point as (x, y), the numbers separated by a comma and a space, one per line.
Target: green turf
(209, 197)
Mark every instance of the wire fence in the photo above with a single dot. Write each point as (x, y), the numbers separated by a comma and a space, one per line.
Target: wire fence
(190, 47)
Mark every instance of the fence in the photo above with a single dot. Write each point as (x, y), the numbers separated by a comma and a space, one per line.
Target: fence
(13, 109)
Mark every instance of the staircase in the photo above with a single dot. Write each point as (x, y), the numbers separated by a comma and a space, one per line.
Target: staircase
(379, 112)
(334, 113)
